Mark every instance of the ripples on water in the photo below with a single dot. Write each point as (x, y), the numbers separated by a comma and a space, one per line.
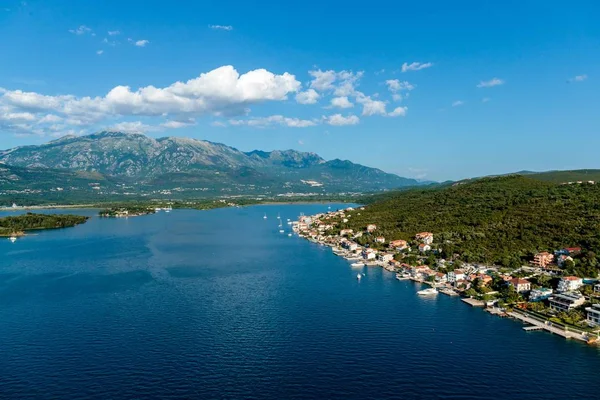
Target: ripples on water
(220, 305)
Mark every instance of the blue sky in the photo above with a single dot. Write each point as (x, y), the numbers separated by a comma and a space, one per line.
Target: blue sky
(432, 89)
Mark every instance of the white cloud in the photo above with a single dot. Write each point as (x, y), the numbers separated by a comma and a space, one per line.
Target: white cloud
(340, 120)
(398, 112)
(578, 78)
(141, 43)
(485, 99)
(99, 52)
(218, 124)
(491, 83)
(308, 97)
(113, 33)
(415, 66)
(458, 103)
(370, 106)
(274, 120)
(342, 83)
(395, 85)
(49, 118)
(221, 27)
(222, 92)
(300, 142)
(173, 124)
(134, 127)
(81, 30)
(341, 102)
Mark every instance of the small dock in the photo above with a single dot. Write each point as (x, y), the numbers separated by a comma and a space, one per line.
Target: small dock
(532, 328)
(538, 324)
(447, 292)
(474, 302)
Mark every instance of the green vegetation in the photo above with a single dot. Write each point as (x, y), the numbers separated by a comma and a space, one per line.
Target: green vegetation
(504, 220)
(127, 211)
(18, 224)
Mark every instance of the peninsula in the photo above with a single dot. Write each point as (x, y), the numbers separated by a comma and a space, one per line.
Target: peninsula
(517, 246)
(15, 226)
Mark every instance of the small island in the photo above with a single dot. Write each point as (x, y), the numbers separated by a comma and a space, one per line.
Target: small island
(128, 211)
(18, 225)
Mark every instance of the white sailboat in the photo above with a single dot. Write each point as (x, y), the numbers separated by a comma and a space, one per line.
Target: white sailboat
(265, 217)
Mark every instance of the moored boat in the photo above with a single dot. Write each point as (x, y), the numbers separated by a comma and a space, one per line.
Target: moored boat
(427, 292)
(357, 264)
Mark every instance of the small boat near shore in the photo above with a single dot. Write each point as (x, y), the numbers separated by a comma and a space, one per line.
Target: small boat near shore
(402, 277)
(357, 264)
(427, 292)
(12, 239)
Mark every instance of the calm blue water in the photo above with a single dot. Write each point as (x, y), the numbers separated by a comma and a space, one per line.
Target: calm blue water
(218, 304)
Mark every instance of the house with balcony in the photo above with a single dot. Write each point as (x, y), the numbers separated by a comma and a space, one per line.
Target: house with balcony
(424, 247)
(399, 244)
(566, 301)
(424, 237)
(456, 275)
(569, 284)
(543, 259)
(593, 314)
(385, 257)
(520, 285)
(540, 294)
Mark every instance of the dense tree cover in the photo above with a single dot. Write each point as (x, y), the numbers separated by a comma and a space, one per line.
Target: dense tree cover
(30, 221)
(502, 220)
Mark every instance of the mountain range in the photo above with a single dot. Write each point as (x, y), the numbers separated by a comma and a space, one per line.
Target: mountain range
(112, 162)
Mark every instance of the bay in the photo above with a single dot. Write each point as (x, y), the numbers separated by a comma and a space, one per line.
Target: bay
(219, 305)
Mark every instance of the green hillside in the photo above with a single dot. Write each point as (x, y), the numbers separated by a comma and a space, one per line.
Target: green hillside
(567, 176)
(501, 220)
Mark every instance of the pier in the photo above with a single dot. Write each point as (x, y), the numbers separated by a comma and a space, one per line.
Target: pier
(539, 324)
(474, 302)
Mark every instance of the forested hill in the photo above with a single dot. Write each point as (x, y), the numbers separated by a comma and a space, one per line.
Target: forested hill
(501, 220)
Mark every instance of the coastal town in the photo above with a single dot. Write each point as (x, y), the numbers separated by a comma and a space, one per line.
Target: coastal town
(540, 294)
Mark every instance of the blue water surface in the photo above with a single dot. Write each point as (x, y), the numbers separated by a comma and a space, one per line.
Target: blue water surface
(219, 305)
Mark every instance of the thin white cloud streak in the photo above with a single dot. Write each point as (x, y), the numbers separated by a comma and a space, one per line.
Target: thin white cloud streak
(221, 27)
(458, 103)
(340, 120)
(415, 66)
(81, 30)
(491, 83)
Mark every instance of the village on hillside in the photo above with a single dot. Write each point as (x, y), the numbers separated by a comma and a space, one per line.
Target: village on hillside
(540, 293)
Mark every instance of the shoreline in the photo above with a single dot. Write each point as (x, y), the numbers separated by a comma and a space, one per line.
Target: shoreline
(529, 321)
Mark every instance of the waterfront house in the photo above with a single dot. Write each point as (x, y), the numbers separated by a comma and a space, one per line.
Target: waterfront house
(424, 247)
(424, 237)
(456, 275)
(520, 285)
(566, 301)
(569, 283)
(440, 277)
(369, 254)
(542, 259)
(385, 257)
(593, 314)
(540, 294)
(399, 244)
(371, 228)
(380, 239)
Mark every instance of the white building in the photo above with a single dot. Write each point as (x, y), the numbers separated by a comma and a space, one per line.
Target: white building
(593, 314)
(566, 301)
(386, 257)
(424, 247)
(456, 275)
(569, 283)
(540, 294)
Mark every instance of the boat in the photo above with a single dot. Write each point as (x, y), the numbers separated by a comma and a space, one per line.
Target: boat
(12, 239)
(427, 292)
(402, 277)
(352, 258)
(265, 217)
(278, 216)
(289, 234)
(281, 231)
(358, 264)
(358, 276)
(289, 220)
